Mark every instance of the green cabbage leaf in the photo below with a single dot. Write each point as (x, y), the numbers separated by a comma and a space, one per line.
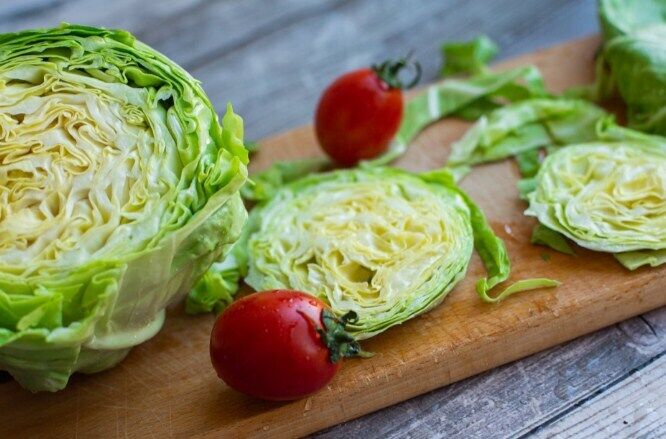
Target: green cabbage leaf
(465, 98)
(633, 60)
(521, 129)
(118, 189)
(469, 57)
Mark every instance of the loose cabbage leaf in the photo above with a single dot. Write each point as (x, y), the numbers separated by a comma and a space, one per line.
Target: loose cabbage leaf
(490, 248)
(542, 235)
(523, 127)
(470, 57)
(464, 98)
(636, 259)
(528, 162)
(118, 190)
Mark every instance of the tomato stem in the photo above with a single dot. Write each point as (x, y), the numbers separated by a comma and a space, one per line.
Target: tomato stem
(339, 342)
(389, 72)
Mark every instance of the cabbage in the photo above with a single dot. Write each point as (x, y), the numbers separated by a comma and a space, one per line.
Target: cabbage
(521, 129)
(601, 185)
(607, 196)
(633, 60)
(470, 57)
(465, 98)
(382, 242)
(118, 189)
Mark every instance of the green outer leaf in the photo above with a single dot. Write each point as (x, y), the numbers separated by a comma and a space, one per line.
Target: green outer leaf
(468, 98)
(636, 259)
(623, 17)
(544, 236)
(59, 319)
(526, 126)
(470, 57)
(217, 288)
(491, 249)
(528, 162)
(633, 60)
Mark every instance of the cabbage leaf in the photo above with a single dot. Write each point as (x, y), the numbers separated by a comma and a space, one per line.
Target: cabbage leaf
(469, 57)
(466, 98)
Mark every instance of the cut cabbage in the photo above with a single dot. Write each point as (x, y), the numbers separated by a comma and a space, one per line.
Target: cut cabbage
(382, 242)
(522, 128)
(607, 196)
(118, 189)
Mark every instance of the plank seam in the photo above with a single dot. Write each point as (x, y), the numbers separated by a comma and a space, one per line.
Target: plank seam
(591, 396)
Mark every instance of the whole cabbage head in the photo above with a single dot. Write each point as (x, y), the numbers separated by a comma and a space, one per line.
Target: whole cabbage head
(118, 188)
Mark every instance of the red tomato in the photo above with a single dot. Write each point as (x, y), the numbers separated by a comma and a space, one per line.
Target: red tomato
(359, 113)
(269, 345)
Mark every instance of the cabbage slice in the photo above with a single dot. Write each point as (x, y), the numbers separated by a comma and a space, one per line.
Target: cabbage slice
(606, 196)
(382, 242)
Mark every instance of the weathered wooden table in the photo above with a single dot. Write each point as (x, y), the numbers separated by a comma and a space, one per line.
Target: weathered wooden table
(271, 58)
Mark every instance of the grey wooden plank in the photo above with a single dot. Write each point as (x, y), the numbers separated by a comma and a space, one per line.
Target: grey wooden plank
(635, 407)
(275, 80)
(133, 15)
(273, 58)
(518, 398)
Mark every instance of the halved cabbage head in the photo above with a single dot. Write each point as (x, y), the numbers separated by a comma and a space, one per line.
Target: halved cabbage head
(382, 242)
(118, 188)
(606, 196)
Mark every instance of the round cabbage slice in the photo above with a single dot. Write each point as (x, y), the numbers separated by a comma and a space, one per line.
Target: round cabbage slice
(118, 188)
(607, 197)
(381, 242)
(386, 245)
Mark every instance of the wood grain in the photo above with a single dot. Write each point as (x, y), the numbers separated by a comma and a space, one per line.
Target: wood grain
(524, 397)
(636, 407)
(166, 387)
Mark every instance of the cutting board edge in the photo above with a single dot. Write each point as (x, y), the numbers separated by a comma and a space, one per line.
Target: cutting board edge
(630, 305)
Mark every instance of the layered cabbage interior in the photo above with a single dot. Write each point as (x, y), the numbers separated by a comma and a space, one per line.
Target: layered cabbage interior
(606, 197)
(385, 248)
(86, 167)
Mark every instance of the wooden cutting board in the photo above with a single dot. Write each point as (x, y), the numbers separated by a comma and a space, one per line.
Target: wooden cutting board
(166, 387)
